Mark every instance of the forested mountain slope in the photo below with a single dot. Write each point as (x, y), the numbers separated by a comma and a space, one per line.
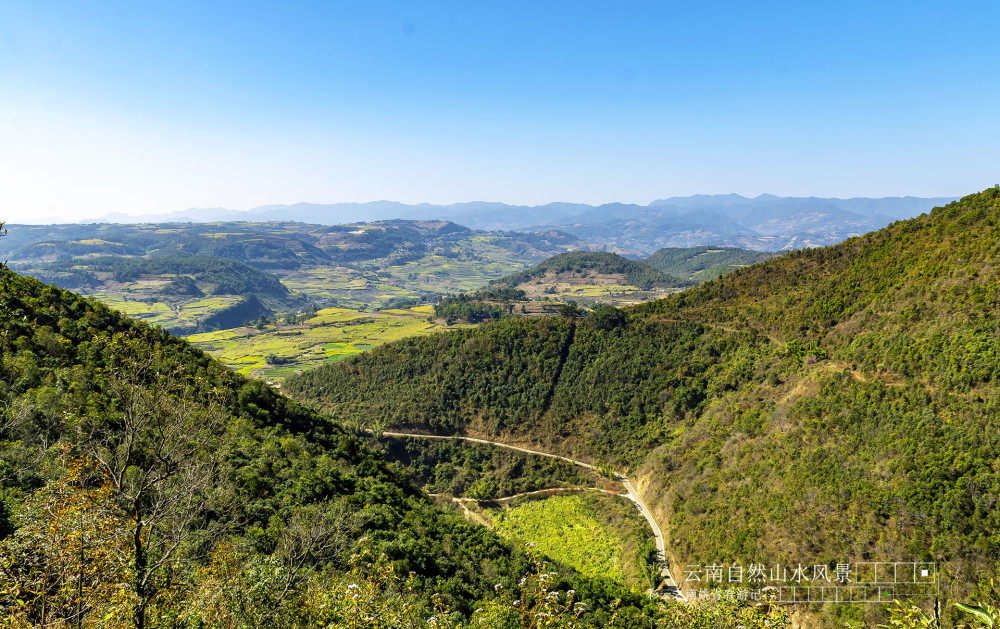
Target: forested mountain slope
(834, 404)
(700, 264)
(600, 267)
(144, 485)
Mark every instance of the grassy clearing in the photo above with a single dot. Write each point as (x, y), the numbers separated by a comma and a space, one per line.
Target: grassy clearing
(566, 529)
(331, 335)
(95, 241)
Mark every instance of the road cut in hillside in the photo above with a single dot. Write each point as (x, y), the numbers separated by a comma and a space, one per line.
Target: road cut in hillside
(668, 586)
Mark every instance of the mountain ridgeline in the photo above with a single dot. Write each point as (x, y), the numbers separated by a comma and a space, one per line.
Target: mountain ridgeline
(833, 404)
(765, 222)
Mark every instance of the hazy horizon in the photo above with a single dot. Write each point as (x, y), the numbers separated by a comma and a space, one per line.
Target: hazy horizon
(263, 209)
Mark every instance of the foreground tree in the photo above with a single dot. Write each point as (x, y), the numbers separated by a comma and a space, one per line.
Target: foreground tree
(153, 445)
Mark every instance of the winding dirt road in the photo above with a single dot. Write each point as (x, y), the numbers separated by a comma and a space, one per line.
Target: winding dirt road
(668, 586)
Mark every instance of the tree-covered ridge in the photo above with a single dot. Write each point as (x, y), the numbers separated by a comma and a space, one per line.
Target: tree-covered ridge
(478, 306)
(836, 403)
(931, 268)
(700, 264)
(218, 276)
(502, 373)
(143, 484)
(594, 384)
(585, 262)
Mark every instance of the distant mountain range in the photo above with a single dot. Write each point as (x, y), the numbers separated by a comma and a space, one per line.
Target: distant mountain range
(765, 222)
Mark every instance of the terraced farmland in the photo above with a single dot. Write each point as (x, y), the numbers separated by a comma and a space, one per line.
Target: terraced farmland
(331, 334)
(177, 315)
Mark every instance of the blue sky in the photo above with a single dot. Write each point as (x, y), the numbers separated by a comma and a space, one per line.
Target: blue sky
(158, 106)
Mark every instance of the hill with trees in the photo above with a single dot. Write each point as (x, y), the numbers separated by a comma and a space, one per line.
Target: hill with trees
(700, 264)
(185, 293)
(559, 285)
(207, 275)
(145, 484)
(839, 404)
(600, 267)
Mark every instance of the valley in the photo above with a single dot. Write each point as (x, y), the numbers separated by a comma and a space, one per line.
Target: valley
(270, 269)
(802, 397)
(272, 299)
(653, 566)
(823, 387)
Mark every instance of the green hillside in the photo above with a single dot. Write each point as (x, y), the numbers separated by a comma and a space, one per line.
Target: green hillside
(194, 275)
(700, 264)
(183, 293)
(838, 404)
(144, 485)
(593, 264)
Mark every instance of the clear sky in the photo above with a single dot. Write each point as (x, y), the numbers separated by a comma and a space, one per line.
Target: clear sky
(159, 106)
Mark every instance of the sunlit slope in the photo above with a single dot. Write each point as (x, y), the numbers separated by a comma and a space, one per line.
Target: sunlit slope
(833, 403)
(700, 264)
(932, 271)
(590, 278)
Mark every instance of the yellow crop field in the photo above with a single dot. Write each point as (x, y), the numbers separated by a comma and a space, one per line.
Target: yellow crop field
(332, 334)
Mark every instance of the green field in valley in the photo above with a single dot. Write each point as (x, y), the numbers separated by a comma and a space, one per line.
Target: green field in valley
(167, 314)
(329, 335)
(593, 534)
